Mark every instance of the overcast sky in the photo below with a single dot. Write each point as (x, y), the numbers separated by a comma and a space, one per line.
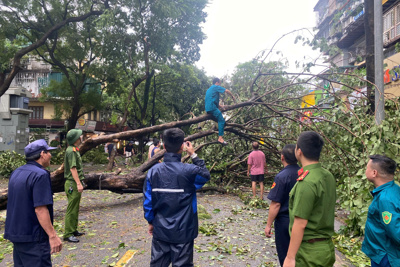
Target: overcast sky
(237, 30)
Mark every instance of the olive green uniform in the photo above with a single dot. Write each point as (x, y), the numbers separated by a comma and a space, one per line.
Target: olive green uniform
(72, 159)
(313, 198)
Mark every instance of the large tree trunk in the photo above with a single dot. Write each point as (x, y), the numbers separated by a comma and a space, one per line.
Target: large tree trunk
(134, 180)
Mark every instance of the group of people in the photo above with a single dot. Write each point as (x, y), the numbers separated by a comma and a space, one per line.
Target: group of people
(29, 221)
(302, 205)
(128, 151)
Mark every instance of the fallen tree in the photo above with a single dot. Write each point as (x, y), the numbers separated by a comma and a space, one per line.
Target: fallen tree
(134, 180)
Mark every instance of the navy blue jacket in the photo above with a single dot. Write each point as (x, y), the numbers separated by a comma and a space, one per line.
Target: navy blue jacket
(283, 183)
(169, 200)
(29, 187)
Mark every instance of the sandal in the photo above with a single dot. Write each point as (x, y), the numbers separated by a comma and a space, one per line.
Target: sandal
(223, 143)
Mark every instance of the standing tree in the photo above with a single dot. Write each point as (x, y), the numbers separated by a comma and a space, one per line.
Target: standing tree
(141, 37)
(73, 52)
(26, 25)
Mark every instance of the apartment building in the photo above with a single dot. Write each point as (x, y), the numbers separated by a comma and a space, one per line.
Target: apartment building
(341, 24)
(36, 75)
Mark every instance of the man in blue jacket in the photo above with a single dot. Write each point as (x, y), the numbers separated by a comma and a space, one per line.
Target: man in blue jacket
(212, 106)
(382, 230)
(169, 202)
(29, 222)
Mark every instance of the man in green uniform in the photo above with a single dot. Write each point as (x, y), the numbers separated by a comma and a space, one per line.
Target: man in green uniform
(382, 230)
(73, 174)
(311, 208)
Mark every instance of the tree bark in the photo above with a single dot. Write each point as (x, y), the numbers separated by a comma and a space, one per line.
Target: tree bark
(133, 180)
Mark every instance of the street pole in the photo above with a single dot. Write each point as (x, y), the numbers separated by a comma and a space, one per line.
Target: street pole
(379, 89)
(370, 54)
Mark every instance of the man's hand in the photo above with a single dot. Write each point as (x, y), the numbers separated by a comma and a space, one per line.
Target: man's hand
(248, 174)
(80, 187)
(289, 262)
(55, 244)
(189, 148)
(43, 216)
(268, 231)
(150, 230)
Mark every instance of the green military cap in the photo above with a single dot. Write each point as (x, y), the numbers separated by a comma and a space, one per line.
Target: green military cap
(73, 135)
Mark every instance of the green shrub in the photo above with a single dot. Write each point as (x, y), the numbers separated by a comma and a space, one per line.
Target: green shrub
(9, 161)
(95, 156)
(57, 156)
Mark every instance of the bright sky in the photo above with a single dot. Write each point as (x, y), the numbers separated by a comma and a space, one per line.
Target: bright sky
(238, 30)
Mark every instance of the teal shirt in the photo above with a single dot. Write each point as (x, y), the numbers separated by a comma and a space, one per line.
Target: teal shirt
(212, 97)
(382, 230)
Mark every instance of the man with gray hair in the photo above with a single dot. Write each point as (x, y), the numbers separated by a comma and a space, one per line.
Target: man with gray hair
(29, 221)
(382, 229)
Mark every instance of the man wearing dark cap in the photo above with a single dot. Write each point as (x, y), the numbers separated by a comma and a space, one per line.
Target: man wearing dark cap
(73, 174)
(29, 222)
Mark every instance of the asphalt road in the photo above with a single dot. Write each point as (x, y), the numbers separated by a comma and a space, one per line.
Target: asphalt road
(114, 225)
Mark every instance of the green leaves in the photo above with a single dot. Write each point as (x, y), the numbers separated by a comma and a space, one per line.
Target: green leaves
(10, 160)
(208, 229)
(215, 211)
(351, 248)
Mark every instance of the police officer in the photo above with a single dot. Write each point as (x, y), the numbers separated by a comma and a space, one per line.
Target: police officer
(73, 174)
(311, 208)
(29, 222)
(279, 196)
(382, 230)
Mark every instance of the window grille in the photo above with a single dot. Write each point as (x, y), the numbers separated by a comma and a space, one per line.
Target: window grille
(391, 25)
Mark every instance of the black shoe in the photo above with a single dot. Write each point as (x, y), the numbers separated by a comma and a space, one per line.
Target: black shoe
(72, 239)
(76, 233)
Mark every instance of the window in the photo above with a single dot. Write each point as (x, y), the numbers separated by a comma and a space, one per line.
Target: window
(391, 25)
(37, 113)
(25, 77)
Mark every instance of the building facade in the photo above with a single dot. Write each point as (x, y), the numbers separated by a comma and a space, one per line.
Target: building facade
(341, 24)
(37, 75)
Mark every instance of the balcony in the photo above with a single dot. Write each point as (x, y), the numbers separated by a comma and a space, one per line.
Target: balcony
(357, 54)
